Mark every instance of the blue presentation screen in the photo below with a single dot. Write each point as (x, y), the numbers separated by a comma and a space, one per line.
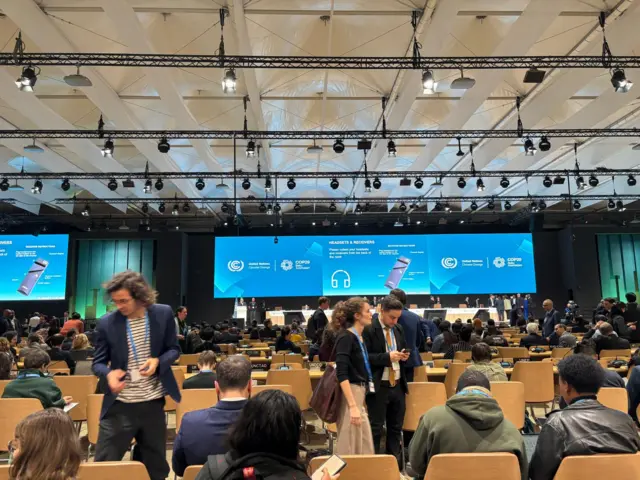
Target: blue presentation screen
(33, 268)
(373, 265)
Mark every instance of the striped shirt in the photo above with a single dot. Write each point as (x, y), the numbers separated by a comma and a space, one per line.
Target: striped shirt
(147, 388)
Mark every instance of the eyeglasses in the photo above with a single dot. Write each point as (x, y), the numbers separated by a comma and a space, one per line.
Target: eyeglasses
(123, 301)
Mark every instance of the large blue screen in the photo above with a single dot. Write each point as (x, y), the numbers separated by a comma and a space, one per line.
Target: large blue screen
(33, 268)
(373, 265)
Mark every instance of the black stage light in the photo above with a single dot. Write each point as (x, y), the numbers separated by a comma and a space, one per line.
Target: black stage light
(474, 206)
(593, 181)
(37, 187)
(186, 208)
(620, 206)
(620, 82)
(504, 182)
(338, 146)
(507, 205)
(491, 205)
(576, 205)
(547, 182)
(631, 181)
(162, 207)
(544, 145)
(542, 205)
(200, 184)
(267, 184)
(480, 185)
(580, 182)
(224, 208)
(229, 81)
(159, 184)
(391, 148)
(163, 145)
(447, 207)
(403, 207)
(87, 211)
(611, 204)
(332, 207)
(334, 183)
(367, 185)
(297, 207)
(277, 207)
(66, 185)
(262, 208)
(418, 183)
(377, 183)
(529, 147)
(462, 182)
(112, 185)
(250, 151)
(4, 185)
(291, 184)
(145, 208)
(27, 80)
(108, 148)
(148, 186)
(176, 210)
(246, 184)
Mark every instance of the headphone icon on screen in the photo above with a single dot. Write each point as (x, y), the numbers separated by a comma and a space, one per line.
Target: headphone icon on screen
(347, 279)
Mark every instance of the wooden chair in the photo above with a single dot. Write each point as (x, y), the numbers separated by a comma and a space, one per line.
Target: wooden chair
(616, 353)
(12, 411)
(596, 467)
(479, 466)
(561, 352)
(380, 467)
(290, 366)
(546, 348)
(3, 383)
(188, 359)
(59, 371)
(510, 397)
(57, 364)
(615, 398)
(462, 356)
(300, 382)
(604, 361)
(79, 387)
(426, 356)
(94, 405)
(420, 374)
(537, 378)
(513, 352)
(191, 472)
(195, 399)
(451, 379)
(170, 404)
(421, 398)
(111, 470)
(256, 389)
(282, 358)
(441, 363)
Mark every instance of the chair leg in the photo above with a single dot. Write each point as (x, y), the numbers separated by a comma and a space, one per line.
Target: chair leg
(404, 460)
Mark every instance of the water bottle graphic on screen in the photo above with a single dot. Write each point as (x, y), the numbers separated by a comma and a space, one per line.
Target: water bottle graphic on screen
(33, 275)
(397, 272)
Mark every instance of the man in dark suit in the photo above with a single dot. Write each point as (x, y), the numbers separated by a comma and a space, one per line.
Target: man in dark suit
(227, 337)
(204, 432)
(410, 323)
(551, 318)
(386, 345)
(318, 320)
(136, 347)
(206, 376)
(608, 340)
(56, 353)
(499, 300)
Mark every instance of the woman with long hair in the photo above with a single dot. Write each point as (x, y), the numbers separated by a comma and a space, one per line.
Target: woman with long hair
(327, 354)
(80, 342)
(46, 447)
(355, 378)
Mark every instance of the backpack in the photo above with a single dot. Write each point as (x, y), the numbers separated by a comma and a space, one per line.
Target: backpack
(272, 467)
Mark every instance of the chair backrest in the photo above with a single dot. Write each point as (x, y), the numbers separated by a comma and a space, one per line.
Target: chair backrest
(596, 467)
(189, 359)
(256, 389)
(420, 399)
(3, 383)
(191, 472)
(510, 397)
(426, 356)
(440, 363)
(513, 352)
(479, 466)
(285, 366)
(12, 411)
(286, 358)
(57, 364)
(4, 472)
(537, 378)
(453, 374)
(625, 352)
(561, 352)
(420, 374)
(195, 399)
(300, 382)
(615, 398)
(380, 467)
(604, 361)
(94, 405)
(111, 470)
(462, 356)
(79, 387)
(59, 371)
(178, 372)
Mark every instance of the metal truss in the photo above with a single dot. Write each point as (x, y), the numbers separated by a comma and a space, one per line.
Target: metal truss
(431, 174)
(322, 135)
(293, 62)
(415, 201)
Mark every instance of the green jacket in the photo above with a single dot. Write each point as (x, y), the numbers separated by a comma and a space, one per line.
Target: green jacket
(493, 371)
(469, 422)
(35, 384)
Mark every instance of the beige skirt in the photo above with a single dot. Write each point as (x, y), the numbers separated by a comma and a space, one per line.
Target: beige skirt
(354, 439)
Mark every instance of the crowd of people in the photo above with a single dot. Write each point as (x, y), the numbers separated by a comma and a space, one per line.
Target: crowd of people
(132, 349)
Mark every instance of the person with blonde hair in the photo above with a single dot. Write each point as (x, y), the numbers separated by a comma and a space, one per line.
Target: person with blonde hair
(46, 447)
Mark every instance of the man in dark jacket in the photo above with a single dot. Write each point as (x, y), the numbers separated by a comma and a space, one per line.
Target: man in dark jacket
(206, 376)
(410, 323)
(585, 427)
(551, 318)
(470, 422)
(318, 321)
(608, 340)
(56, 353)
(633, 390)
(533, 338)
(32, 382)
(204, 432)
(632, 316)
(385, 343)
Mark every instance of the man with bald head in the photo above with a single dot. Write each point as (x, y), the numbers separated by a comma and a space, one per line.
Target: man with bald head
(551, 318)
(608, 340)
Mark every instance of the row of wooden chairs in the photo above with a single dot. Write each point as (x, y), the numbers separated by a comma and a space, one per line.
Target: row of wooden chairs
(102, 471)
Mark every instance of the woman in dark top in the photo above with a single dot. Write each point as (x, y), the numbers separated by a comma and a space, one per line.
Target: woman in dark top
(327, 353)
(354, 375)
(284, 341)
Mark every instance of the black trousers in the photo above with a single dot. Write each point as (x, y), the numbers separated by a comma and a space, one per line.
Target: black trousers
(144, 421)
(387, 405)
(408, 374)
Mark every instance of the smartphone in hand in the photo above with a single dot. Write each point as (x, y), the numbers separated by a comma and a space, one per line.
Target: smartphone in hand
(334, 465)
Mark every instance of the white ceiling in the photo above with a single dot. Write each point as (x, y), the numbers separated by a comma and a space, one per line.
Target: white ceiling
(285, 99)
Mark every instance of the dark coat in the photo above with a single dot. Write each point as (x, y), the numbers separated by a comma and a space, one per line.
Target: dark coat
(374, 338)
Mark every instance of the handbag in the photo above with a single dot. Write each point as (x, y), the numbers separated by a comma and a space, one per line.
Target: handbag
(327, 395)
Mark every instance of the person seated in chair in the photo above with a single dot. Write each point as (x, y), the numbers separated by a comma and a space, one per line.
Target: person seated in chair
(56, 353)
(267, 331)
(32, 382)
(284, 342)
(609, 340)
(204, 432)
(207, 336)
(463, 344)
(34, 342)
(68, 341)
(565, 339)
(585, 427)
(481, 362)
(470, 422)
(533, 337)
(206, 377)
(227, 336)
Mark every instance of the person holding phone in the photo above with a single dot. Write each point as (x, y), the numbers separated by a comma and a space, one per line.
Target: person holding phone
(137, 344)
(386, 346)
(355, 376)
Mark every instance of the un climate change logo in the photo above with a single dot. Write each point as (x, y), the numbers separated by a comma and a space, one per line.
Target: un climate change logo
(235, 265)
(449, 262)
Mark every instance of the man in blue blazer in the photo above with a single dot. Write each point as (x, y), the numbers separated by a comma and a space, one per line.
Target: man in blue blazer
(136, 347)
(410, 323)
(204, 432)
